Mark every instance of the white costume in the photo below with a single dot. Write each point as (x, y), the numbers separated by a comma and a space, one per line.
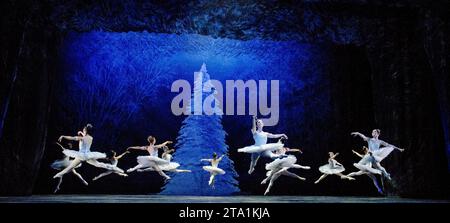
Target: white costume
(365, 167)
(170, 166)
(84, 154)
(261, 146)
(333, 167)
(112, 169)
(280, 167)
(213, 169)
(365, 164)
(379, 153)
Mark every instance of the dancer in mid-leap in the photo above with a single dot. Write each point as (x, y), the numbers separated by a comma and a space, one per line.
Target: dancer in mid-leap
(84, 153)
(169, 167)
(151, 161)
(63, 163)
(114, 159)
(365, 167)
(213, 169)
(378, 153)
(281, 165)
(333, 167)
(261, 147)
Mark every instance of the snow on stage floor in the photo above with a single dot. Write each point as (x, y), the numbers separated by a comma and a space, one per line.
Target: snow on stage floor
(207, 199)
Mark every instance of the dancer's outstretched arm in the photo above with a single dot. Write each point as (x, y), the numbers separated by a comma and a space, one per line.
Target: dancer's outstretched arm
(121, 155)
(254, 124)
(365, 138)
(137, 147)
(220, 158)
(59, 144)
(72, 138)
(206, 160)
(387, 144)
(162, 144)
(356, 153)
(276, 136)
(334, 156)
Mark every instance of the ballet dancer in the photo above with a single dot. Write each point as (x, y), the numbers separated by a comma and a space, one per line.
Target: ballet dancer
(333, 167)
(84, 153)
(213, 169)
(63, 163)
(114, 159)
(280, 166)
(169, 167)
(378, 153)
(365, 167)
(153, 161)
(261, 147)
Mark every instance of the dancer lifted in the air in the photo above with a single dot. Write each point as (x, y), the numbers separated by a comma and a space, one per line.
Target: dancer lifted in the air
(379, 153)
(261, 147)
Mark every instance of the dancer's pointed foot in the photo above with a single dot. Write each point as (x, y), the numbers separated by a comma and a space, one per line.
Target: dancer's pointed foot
(264, 181)
(388, 177)
(317, 181)
(266, 192)
(56, 190)
(130, 170)
(85, 183)
(302, 178)
(250, 171)
(57, 176)
(306, 167)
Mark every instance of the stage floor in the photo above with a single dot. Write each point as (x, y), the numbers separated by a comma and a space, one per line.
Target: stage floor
(207, 199)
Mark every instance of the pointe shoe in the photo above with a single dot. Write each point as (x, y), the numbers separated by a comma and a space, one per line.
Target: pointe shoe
(251, 171)
(302, 178)
(316, 182)
(266, 192)
(85, 183)
(130, 170)
(264, 182)
(307, 167)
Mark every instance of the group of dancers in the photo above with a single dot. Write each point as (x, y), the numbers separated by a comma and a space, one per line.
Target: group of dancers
(73, 159)
(280, 165)
(370, 163)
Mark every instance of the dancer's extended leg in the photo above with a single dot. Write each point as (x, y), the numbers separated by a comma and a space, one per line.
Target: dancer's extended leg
(345, 177)
(321, 178)
(71, 166)
(374, 180)
(254, 161)
(103, 174)
(383, 170)
(79, 176)
(59, 184)
(293, 175)
(139, 166)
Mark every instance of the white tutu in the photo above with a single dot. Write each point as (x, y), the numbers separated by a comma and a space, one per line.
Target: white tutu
(328, 169)
(366, 168)
(288, 161)
(214, 170)
(261, 148)
(382, 153)
(84, 155)
(148, 161)
(167, 157)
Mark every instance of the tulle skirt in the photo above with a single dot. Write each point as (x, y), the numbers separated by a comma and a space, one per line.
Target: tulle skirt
(148, 161)
(84, 155)
(261, 148)
(366, 168)
(214, 170)
(328, 169)
(382, 153)
(288, 161)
